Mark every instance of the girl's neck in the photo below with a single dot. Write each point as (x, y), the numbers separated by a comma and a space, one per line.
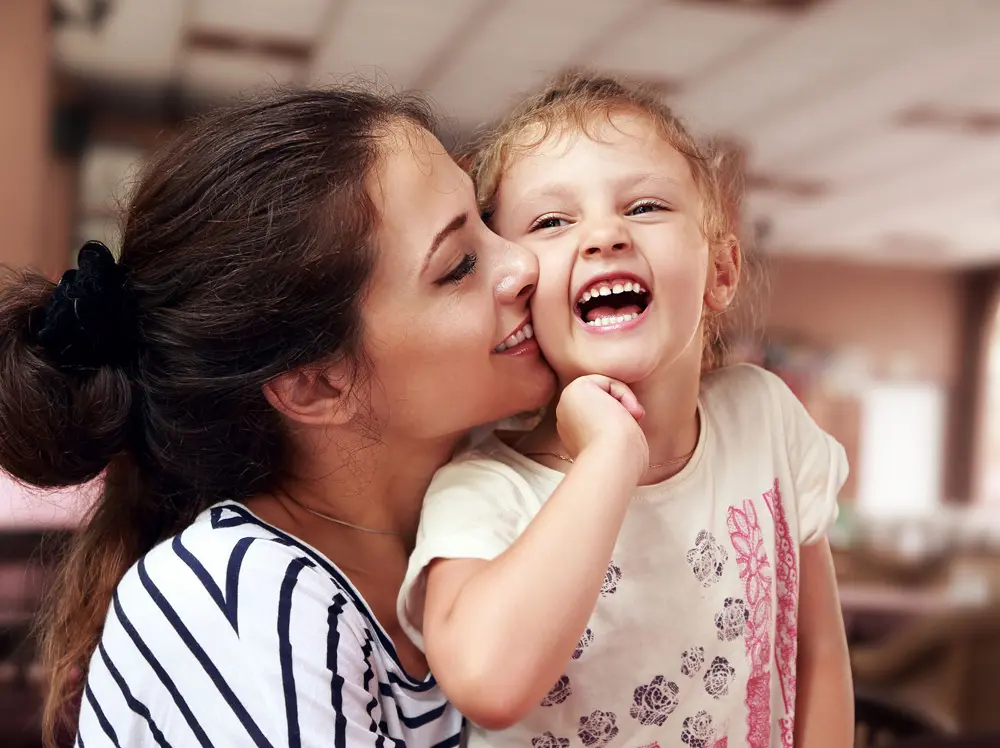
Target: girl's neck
(670, 399)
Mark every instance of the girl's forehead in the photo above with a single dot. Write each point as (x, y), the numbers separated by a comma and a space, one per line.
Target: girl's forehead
(619, 140)
(554, 136)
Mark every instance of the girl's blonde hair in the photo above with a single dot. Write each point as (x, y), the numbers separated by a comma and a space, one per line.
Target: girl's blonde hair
(582, 101)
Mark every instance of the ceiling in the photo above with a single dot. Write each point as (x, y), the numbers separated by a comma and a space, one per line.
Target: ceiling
(872, 127)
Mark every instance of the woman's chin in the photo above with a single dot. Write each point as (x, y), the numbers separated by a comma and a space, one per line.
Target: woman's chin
(537, 392)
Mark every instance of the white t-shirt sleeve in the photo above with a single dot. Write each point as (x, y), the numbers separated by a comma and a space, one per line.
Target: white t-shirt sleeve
(817, 461)
(474, 509)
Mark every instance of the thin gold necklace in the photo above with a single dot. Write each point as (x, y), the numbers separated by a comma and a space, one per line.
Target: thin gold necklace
(653, 466)
(351, 525)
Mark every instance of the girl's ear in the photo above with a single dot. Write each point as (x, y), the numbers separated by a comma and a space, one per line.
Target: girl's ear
(723, 274)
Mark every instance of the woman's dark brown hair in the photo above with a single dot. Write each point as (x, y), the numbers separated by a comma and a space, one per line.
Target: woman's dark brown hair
(245, 250)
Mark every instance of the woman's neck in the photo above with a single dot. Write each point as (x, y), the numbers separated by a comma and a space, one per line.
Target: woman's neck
(670, 399)
(378, 486)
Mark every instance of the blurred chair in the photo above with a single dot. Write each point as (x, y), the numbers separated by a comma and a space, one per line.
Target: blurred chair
(26, 564)
(879, 721)
(945, 668)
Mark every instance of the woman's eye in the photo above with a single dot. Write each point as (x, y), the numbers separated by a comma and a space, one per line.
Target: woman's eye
(466, 267)
(548, 222)
(646, 207)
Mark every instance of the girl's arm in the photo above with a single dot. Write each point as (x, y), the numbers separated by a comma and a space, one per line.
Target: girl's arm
(824, 704)
(499, 633)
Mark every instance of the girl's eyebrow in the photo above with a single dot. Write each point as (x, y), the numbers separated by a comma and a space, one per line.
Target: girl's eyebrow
(556, 191)
(546, 192)
(633, 180)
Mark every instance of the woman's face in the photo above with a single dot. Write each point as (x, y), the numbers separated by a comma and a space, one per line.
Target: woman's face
(446, 297)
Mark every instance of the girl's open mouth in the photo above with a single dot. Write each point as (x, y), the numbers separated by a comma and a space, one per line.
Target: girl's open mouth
(612, 302)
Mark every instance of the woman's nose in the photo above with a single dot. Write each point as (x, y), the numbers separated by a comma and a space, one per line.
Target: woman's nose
(518, 275)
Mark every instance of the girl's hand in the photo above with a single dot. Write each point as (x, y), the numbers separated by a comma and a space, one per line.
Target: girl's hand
(600, 413)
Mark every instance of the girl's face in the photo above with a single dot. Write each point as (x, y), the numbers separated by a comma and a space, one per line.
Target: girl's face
(615, 221)
(447, 326)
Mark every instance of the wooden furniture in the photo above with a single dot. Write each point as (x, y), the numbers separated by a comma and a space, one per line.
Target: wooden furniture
(880, 721)
(944, 666)
(27, 559)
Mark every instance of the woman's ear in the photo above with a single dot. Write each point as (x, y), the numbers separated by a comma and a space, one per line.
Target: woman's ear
(723, 274)
(316, 395)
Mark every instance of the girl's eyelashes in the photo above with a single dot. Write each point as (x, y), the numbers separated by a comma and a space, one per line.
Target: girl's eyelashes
(465, 267)
(547, 222)
(646, 206)
(641, 207)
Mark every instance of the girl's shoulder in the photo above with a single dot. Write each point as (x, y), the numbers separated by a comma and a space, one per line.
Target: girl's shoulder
(739, 380)
(744, 395)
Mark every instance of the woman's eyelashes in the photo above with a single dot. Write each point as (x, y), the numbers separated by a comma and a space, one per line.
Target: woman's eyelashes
(465, 267)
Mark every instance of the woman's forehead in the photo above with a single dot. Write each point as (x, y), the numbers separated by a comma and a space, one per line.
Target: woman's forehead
(417, 189)
(412, 160)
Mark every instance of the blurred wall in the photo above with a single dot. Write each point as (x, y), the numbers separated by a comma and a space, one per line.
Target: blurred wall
(24, 91)
(911, 324)
(907, 321)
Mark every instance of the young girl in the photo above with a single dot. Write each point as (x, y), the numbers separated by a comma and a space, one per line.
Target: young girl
(605, 584)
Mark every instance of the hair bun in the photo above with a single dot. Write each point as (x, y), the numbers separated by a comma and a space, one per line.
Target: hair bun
(88, 321)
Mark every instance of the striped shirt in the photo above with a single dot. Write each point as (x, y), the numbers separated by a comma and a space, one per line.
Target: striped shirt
(234, 633)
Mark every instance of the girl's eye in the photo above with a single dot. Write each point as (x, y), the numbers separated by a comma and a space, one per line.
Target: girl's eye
(646, 206)
(547, 222)
(466, 267)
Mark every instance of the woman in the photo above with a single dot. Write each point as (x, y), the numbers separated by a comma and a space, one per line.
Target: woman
(307, 317)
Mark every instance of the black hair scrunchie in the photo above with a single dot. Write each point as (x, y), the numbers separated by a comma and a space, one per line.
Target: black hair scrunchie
(88, 321)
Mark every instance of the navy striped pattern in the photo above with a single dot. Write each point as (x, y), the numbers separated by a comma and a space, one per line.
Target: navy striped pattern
(234, 633)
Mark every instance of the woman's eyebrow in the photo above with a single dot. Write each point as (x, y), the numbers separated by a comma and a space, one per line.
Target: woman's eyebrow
(454, 225)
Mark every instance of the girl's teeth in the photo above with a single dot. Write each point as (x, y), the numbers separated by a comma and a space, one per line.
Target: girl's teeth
(529, 331)
(612, 320)
(608, 290)
(511, 341)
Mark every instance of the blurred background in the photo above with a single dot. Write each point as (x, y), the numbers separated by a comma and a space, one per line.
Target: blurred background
(868, 134)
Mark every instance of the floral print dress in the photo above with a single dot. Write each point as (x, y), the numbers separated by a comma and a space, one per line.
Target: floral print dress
(693, 639)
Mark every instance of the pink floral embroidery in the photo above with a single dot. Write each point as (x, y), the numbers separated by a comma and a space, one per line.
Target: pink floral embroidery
(751, 559)
(787, 629)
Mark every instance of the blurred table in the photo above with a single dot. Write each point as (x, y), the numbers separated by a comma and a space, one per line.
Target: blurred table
(872, 610)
